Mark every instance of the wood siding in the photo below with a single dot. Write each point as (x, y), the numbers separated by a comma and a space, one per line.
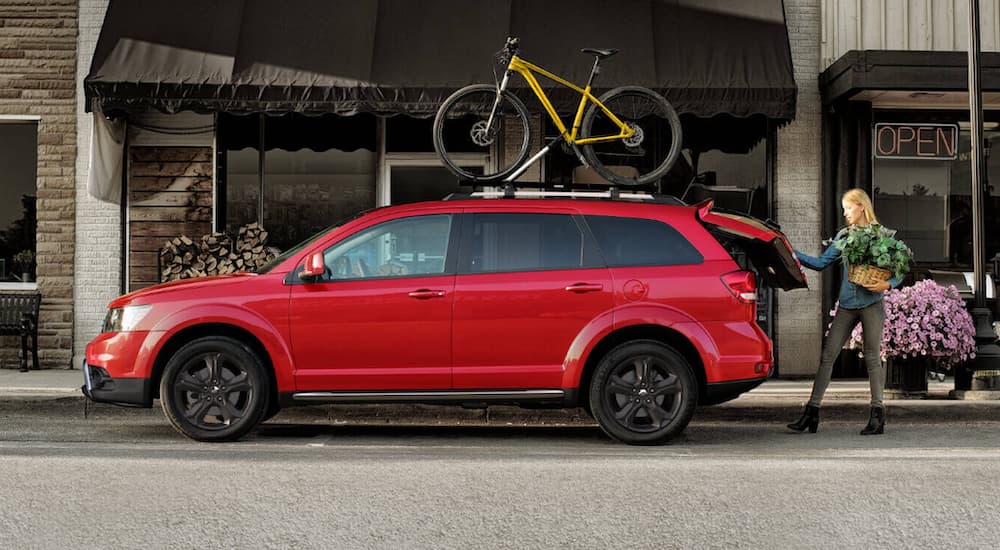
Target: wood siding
(935, 25)
(169, 194)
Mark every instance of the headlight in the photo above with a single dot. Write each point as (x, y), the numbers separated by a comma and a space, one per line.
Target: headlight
(124, 319)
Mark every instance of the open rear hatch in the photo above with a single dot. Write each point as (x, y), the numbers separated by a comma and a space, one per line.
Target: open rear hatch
(765, 246)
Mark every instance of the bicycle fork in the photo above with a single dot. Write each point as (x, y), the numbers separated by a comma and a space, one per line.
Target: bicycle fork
(496, 102)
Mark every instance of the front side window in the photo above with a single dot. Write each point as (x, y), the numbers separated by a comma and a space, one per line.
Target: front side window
(18, 220)
(526, 242)
(398, 248)
(641, 242)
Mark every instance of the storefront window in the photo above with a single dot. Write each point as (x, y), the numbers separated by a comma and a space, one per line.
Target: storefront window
(929, 202)
(724, 158)
(295, 174)
(19, 158)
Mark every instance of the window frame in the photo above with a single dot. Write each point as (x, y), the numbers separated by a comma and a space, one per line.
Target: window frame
(36, 120)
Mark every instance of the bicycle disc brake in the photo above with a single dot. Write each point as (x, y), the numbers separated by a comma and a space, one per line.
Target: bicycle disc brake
(483, 136)
(637, 136)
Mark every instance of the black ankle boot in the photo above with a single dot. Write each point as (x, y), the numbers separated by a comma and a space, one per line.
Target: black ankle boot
(876, 422)
(810, 420)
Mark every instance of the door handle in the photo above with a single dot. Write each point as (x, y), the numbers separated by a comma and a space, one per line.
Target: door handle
(424, 294)
(580, 288)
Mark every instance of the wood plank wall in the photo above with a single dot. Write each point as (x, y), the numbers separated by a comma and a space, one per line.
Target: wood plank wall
(938, 25)
(170, 194)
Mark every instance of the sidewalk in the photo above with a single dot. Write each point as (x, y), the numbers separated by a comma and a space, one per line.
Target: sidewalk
(57, 392)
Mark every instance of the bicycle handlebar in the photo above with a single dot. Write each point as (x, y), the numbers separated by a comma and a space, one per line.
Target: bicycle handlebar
(510, 49)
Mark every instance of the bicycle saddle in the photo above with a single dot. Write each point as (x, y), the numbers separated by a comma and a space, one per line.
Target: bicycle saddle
(600, 53)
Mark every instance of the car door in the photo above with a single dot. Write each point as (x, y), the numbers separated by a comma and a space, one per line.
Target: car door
(528, 282)
(380, 318)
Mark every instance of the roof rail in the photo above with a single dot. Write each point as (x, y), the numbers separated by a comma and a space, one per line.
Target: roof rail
(612, 194)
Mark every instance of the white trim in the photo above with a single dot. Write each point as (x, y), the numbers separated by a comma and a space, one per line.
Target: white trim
(15, 119)
(215, 179)
(390, 160)
(19, 286)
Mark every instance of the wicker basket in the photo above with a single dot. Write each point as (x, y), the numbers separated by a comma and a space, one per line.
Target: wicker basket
(867, 274)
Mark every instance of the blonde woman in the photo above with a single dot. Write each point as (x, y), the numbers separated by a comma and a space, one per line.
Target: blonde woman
(857, 302)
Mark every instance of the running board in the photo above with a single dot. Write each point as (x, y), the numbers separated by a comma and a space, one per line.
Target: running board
(505, 396)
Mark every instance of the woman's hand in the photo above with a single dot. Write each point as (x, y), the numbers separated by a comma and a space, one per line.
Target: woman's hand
(880, 286)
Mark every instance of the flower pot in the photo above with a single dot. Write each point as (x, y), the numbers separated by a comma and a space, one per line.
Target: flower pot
(906, 378)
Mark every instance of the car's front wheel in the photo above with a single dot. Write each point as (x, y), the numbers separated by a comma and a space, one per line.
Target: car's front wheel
(643, 393)
(214, 389)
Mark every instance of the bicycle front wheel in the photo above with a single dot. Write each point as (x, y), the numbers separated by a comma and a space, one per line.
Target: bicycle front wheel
(481, 135)
(646, 156)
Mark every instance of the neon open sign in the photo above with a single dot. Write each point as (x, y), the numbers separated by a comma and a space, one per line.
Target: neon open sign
(916, 141)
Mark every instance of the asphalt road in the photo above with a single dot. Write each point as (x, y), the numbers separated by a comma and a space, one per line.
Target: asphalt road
(735, 479)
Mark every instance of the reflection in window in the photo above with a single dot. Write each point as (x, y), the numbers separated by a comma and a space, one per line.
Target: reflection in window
(929, 203)
(526, 242)
(18, 220)
(638, 242)
(411, 246)
(316, 170)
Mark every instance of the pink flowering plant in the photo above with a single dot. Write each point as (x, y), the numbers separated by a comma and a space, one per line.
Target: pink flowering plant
(923, 320)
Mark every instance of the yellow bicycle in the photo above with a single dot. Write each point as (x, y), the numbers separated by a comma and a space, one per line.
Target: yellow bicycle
(630, 135)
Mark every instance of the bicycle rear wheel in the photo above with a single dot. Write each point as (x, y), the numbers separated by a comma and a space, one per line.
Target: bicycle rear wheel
(464, 133)
(646, 156)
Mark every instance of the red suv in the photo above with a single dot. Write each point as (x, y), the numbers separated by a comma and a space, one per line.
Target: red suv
(637, 310)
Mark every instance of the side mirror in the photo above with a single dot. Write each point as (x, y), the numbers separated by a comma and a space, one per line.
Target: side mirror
(314, 267)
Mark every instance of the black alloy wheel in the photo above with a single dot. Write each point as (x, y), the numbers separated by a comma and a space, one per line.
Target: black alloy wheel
(643, 393)
(214, 389)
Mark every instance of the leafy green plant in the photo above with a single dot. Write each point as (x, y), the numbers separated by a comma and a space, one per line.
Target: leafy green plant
(24, 260)
(875, 245)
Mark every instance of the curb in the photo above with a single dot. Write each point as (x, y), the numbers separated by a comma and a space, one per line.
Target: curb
(745, 410)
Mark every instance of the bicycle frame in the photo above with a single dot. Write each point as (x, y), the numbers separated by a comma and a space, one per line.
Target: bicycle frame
(527, 70)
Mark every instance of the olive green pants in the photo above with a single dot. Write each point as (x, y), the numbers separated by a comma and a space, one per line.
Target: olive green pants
(872, 320)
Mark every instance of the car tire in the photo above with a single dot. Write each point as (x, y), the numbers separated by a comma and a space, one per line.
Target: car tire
(215, 389)
(643, 393)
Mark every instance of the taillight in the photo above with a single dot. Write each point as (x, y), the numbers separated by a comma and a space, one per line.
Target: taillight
(742, 284)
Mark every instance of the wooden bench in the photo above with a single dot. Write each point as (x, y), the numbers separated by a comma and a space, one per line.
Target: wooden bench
(19, 317)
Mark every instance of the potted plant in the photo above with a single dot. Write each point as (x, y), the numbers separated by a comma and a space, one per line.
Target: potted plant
(24, 261)
(873, 253)
(926, 325)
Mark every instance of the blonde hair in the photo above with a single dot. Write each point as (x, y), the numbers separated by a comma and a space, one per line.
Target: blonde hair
(858, 196)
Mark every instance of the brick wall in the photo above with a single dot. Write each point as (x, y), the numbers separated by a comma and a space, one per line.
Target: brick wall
(98, 224)
(38, 45)
(798, 199)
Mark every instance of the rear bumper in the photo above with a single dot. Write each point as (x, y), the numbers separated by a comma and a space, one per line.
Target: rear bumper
(724, 391)
(100, 387)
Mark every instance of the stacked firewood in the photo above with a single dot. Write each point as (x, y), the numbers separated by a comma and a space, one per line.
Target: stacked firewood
(216, 254)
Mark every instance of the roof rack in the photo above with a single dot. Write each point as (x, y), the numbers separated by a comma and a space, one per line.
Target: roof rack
(611, 194)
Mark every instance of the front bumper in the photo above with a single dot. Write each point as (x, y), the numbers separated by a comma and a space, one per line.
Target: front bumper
(99, 386)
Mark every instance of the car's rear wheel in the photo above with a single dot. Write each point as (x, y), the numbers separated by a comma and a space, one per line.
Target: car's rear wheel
(643, 393)
(214, 389)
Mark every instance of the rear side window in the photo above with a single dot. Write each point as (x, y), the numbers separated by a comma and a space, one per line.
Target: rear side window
(504, 242)
(637, 242)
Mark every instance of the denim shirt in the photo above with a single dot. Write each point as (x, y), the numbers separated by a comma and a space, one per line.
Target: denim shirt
(852, 296)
